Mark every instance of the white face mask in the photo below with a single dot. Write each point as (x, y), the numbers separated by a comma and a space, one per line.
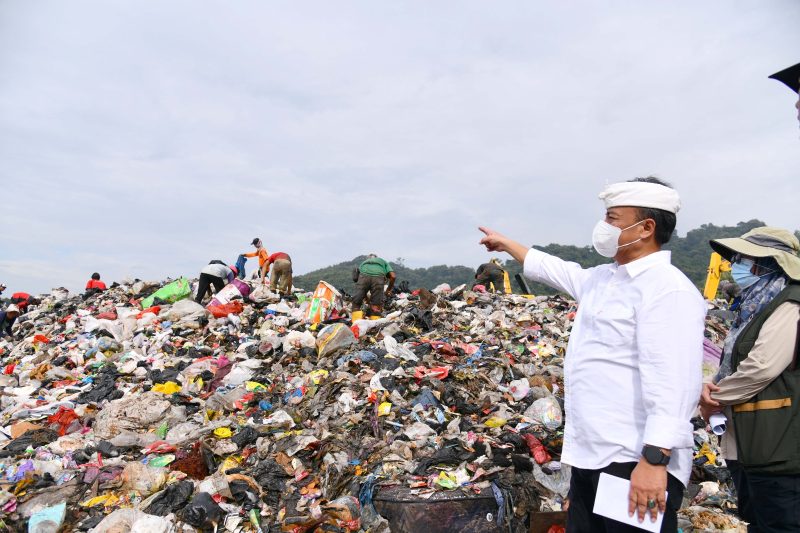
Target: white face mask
(605, 238)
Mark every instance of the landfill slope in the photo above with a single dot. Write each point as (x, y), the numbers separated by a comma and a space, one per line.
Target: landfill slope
(244, 416)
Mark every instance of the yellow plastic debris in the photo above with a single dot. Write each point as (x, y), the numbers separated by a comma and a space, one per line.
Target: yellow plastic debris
(496, 422)
(705, 451)
(253, 386)
(447, 480)
(318, 375)
(231, 462)
(223, 433)
(170, 387)
(384, 409)
(104, 499)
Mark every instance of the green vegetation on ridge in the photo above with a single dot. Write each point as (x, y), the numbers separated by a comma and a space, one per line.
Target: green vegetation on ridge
(689, 253)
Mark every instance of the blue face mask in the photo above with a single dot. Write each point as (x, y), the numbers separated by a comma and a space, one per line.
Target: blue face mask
(741, 272)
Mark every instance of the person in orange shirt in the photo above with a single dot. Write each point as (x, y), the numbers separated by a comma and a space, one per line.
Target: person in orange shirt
(281, 278)
(261, 253)
(95, 284)
(23, 300)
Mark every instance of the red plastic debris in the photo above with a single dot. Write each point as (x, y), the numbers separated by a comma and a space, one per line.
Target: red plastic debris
(155, 310)
(536, 449)
(63, 418)
(235, 307)
(438, 372)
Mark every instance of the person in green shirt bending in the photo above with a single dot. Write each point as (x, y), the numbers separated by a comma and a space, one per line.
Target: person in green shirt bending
(372, 276)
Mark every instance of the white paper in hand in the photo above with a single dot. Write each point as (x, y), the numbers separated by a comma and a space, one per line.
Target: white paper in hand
(611, 501)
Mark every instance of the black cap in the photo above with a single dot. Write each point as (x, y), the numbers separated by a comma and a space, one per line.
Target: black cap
(255, 241)
(790, 77)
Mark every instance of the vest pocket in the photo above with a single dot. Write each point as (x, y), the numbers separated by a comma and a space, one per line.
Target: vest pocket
(764, 432)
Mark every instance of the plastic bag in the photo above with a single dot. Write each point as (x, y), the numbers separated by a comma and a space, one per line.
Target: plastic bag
(201, 511)
(262, 294)
(519, 389)
(169, 293)
(132, 521)
(185, 310)
(296, 340)
(171, 499)
(546, 412)
(326, 299)
(223, 310)
(536, 449)
(236, 289)
(48, 520)
(398, 350)
(556, 482)
(143, 479)
(334, 338)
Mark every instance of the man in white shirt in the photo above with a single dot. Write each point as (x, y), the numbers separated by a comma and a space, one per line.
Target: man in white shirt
(215, 273)
(633, 366)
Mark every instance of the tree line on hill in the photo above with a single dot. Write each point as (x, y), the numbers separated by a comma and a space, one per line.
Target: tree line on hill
(690, 254)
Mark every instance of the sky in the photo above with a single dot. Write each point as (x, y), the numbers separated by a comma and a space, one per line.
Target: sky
(143, 139)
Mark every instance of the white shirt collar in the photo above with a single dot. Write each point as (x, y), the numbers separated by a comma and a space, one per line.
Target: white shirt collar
(634, 268)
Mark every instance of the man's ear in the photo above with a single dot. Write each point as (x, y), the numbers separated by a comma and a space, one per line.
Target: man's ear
(648, 228)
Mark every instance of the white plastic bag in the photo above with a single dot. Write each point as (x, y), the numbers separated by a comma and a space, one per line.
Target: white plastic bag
(398, 350)
(297, 339)
(334, 338)
(546, 412)
(185, 310)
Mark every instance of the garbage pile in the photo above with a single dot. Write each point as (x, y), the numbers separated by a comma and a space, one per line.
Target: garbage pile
(137, 409)
(710, 500)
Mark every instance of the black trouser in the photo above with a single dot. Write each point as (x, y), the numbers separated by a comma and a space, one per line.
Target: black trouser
(204, 285)
(372, 285)
(582, 490)
(770, 503)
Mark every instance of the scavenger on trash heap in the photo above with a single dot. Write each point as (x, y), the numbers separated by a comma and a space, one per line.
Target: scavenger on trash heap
(94, 284)
(7, 319)
(217, 274)
(281, 278)
(261, 253)
(371, 280)
(492, 276)
(22, 300)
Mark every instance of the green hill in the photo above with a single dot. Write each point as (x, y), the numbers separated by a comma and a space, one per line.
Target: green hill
(340, 276)
(689, 253)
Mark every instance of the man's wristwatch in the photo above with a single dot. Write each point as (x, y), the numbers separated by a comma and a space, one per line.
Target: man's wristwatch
(654, 455)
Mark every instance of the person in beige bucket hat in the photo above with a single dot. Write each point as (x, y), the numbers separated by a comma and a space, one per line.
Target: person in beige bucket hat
(757, 387)
(758, 243)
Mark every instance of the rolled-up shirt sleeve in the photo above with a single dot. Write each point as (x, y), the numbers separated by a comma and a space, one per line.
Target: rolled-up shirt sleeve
(669, 335)
(561, 275)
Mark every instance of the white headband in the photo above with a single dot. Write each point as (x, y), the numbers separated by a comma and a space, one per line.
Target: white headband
(641, 194)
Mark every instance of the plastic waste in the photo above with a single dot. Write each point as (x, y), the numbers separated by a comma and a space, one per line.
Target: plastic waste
(545, 411)
(105, 410)
(223, 310)
(325, 300)
(169, 293)
(143, 479)
(333, 339)
(185, 310)
(170, 387)
(48, 520)
(519, 389)
(202, 511)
